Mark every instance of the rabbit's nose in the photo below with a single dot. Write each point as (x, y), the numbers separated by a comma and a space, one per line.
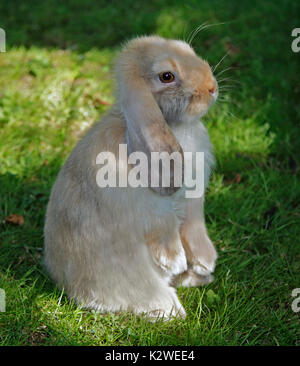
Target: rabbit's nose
(213, 89)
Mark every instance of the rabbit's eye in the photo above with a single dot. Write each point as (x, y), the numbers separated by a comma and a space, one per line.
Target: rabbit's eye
(166, 77)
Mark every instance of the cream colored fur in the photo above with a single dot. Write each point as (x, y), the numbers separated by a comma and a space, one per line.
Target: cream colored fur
(97, 242)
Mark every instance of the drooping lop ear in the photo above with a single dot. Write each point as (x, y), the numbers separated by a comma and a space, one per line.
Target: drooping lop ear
(147, 130)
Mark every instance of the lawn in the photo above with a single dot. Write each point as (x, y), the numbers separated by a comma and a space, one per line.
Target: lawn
(56, 81)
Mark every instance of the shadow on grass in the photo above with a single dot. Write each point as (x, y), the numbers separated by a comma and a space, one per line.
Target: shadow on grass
(254, 47)
(258, 50)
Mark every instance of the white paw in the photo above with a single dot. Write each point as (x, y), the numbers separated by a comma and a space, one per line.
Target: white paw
(204, 268)
(194, 280)
(161, 315)
(168, 311)
(174, 266)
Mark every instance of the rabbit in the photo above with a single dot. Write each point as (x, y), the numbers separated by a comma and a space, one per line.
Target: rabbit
(126, 249)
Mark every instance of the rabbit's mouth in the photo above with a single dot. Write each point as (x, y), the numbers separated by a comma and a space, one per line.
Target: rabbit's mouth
(198, 110)
(200, 103)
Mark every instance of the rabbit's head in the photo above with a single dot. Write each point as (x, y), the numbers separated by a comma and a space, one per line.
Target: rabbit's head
(161, 82)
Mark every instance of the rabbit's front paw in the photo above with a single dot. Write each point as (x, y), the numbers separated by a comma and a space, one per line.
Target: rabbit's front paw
(172, 263)
(162, 315)
(201, 253)
(167, 251)
(167, 308)
(191, 279)
(203, 270)
(205, 263)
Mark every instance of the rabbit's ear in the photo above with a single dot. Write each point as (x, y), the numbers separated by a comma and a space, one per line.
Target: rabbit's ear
(147, 131)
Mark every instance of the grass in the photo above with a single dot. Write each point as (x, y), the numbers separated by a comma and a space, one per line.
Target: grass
(55, 81)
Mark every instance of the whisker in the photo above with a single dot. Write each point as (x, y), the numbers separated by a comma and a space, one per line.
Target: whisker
(225, 93)
(222, 96)
(195, 30)
(215, 67)
(199, 29)
(227, 88)
(206, 26)
(229, 114)
(232, 115)
(227, 84)
(233, 85)
(221, 72)
(230, 79)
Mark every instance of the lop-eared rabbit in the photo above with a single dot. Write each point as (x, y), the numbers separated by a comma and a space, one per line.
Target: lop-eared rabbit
(124, 248)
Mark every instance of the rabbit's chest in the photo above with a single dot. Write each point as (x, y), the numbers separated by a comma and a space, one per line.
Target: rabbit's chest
(194, 139)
